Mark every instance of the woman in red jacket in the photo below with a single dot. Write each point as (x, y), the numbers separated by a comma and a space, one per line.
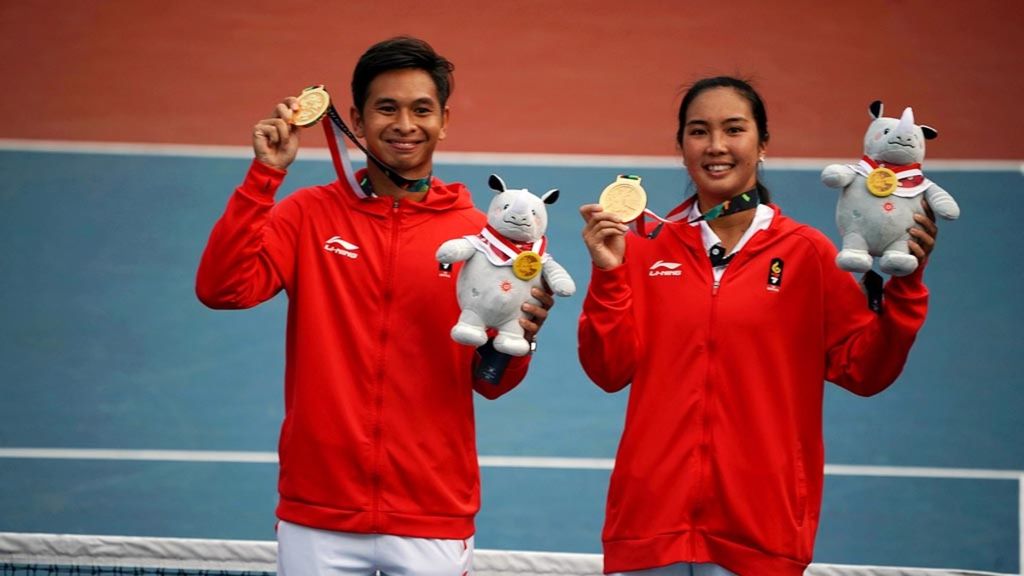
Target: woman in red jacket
(725, 322)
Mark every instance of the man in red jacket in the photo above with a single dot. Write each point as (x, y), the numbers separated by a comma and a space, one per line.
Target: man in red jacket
(378, 463)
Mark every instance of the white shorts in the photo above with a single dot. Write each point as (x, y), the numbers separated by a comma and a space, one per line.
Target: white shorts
(680, 569)
(304, 551)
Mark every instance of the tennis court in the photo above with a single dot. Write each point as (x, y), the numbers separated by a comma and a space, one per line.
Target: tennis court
(129, 409)
(132, 410)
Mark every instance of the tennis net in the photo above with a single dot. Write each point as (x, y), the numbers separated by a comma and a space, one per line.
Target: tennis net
(23, 554)
(39, 554)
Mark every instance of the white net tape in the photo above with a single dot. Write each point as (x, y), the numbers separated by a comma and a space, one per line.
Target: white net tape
(247, 555)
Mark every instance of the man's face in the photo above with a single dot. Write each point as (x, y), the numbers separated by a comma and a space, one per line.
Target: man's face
(402, 121)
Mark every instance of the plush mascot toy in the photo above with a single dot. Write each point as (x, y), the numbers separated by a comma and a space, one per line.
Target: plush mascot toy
(503, 263)
(881, 194)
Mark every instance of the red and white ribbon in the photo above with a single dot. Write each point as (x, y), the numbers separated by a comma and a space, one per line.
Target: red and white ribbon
(501, 251)
(339, 156)
(911, 179)
(639, 226)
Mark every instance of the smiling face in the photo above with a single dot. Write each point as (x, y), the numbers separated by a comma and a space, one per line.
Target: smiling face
(721, 145)
(402, 121)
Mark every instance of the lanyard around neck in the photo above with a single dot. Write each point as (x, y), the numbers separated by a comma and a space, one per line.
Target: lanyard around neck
(745, 201)
(740, 203)
(412, 185)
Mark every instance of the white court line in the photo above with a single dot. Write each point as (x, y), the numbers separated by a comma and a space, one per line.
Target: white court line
(536, 462)
(150, 455)
(531, 462)
(921, 472)
(546, 462)
(466, 158)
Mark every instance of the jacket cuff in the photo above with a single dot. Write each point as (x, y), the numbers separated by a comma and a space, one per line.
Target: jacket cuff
(262, 181)
(609, 285)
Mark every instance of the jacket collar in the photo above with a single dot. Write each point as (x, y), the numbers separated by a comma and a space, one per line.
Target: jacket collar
(690, 235)
(439, 198)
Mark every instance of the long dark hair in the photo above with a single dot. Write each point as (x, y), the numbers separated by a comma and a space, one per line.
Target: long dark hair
(745, 90)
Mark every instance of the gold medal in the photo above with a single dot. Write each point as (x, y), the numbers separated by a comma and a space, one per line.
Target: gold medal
(625, 198)
(313, 104)
(527, 265)
(882, 182)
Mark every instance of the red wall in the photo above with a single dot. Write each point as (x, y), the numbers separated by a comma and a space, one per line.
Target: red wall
(569, 76)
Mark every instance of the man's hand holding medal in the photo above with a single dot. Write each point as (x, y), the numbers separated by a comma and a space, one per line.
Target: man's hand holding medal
(275, 140)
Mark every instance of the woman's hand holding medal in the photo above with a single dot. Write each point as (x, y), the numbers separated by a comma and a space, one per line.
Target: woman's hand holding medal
(604, 235)
(606, 222)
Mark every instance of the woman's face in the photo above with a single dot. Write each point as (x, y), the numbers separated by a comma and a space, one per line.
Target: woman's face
(721, 145)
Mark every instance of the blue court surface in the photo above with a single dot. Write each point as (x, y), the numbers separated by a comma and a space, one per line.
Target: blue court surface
(130, 409)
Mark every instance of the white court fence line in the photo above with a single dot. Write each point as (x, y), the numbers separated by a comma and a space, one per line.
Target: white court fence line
(463, 158)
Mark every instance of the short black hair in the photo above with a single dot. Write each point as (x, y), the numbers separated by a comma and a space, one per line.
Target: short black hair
(401, 52)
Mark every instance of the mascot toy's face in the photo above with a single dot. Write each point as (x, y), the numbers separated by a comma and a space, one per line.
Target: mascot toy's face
(518, 214)
(893, 141)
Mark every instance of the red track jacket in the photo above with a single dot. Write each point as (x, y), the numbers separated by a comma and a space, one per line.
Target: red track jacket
(722, 459)
(378, 434)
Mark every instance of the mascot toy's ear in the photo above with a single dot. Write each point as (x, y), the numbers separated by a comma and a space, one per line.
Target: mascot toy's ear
(875, 109)
(929, 132)
(496, 183)
(550, 197)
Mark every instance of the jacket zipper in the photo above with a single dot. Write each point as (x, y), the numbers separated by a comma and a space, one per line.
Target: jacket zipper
(378, 401)
(703, 448)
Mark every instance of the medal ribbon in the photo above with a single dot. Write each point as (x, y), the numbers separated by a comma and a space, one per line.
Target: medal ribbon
(500, 250)
(339, 153)
(746, 201)
(908, 174)
(639, 226)
(739, 203)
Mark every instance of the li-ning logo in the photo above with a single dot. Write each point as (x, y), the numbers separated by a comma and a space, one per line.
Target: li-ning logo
(662, 268)
(338, 246)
